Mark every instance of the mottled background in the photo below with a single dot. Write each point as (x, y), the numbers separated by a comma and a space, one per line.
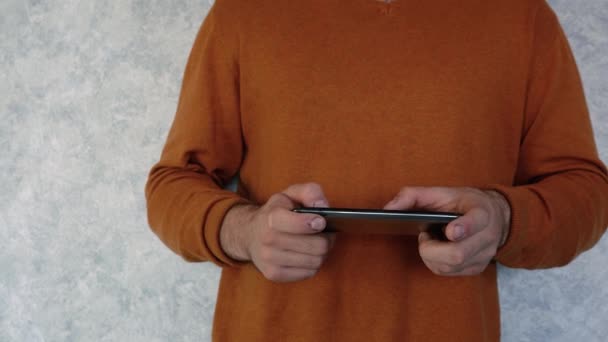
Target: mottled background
(87, 92)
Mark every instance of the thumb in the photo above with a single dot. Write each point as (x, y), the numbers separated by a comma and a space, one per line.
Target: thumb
(307, 194)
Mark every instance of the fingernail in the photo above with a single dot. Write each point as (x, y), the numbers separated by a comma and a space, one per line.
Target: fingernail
(321, 204)
(458, 231)
(317, 224)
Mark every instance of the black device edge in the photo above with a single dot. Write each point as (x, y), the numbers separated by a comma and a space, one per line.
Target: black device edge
(436, 220)
(355, 213)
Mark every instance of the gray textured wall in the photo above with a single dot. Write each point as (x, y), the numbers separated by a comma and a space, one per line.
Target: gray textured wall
(87, 92)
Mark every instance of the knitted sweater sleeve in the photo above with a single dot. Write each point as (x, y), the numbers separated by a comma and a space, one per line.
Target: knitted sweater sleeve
(185, 199)
(559, 200)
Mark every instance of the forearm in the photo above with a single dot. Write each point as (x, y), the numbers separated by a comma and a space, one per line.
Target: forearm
(186, 209)
(555, 219)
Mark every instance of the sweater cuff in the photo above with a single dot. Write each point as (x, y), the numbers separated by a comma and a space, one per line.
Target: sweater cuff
(211, 232)
(518, 198)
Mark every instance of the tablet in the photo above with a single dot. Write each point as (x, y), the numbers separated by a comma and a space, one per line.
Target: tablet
(377, 221)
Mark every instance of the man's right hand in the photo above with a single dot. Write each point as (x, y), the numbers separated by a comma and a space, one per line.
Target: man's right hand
(283, 245)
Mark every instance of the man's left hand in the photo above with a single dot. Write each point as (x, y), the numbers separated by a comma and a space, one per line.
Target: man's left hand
(473, 238)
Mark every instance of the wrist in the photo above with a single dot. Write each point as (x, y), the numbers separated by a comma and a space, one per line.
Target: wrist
(235, 232)
(504, 209)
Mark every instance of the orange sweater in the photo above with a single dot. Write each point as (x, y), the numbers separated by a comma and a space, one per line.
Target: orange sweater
(365, 97)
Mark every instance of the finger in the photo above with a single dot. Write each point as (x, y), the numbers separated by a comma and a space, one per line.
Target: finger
(287, 274)
(470, 270)
(287, 221)
(405, 199)
(281, 200)
(452, 255)
(308, 194)
(283, 258)
(428, 198)
(332, 239)
(469, 224)
(316, 245)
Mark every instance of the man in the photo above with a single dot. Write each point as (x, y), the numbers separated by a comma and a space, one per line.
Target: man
(468, 106)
